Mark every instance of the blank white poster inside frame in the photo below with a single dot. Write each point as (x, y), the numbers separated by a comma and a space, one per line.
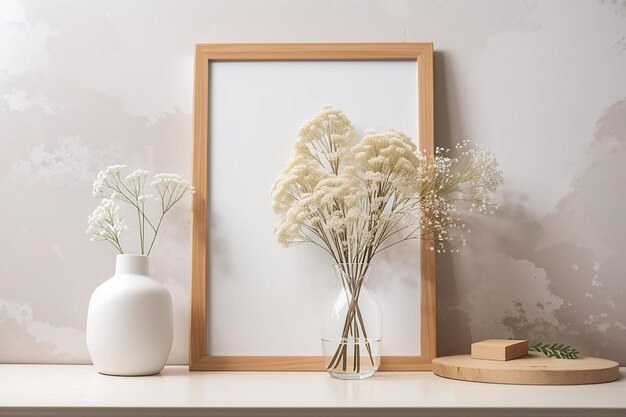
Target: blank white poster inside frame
(263, 299)
(230, 240)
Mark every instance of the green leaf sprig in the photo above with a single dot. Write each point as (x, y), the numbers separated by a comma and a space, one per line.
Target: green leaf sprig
(555, 350)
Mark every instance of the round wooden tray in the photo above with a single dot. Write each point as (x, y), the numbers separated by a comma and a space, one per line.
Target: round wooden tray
(534, 369)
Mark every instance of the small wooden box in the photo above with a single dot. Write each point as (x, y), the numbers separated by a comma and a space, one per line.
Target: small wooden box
(499, 349)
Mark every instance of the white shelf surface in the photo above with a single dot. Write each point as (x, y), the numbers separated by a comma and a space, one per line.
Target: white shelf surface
(79, 390)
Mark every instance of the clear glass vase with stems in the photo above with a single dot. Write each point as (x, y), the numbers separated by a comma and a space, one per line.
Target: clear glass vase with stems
(352, 325)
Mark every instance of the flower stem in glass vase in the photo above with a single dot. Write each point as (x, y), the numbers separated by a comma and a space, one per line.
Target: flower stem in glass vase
(352, 326)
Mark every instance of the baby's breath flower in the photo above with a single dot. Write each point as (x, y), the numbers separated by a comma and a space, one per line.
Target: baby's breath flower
(171, 188)
(106, 180)
(355, 202)
(105, 224)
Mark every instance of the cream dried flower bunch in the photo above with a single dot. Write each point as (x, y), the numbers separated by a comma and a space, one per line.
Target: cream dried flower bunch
(105, 223)
(355, 200)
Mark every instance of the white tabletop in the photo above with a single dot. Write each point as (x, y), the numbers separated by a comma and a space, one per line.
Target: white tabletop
(80, 390)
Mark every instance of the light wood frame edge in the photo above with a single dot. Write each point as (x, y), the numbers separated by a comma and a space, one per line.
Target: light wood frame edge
(423, 54)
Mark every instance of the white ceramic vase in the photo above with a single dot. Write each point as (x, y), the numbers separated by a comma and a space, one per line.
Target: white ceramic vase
(129, 323)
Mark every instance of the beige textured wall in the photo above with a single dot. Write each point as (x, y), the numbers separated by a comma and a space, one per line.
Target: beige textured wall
(86, 84)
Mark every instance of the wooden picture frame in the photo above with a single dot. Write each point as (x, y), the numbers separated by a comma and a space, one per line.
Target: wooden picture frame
(422, 54)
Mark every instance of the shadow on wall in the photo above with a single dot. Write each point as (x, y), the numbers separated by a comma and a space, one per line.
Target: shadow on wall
(558, 278)
(453, 330)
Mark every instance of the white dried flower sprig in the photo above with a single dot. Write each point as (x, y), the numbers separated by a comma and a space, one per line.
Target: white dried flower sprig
(171, 188)
(105, 224)
(356, 202)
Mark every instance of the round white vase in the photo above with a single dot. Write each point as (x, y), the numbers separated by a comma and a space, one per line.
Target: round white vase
(129, 322)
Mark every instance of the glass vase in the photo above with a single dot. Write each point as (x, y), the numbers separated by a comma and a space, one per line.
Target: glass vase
(352, 325)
